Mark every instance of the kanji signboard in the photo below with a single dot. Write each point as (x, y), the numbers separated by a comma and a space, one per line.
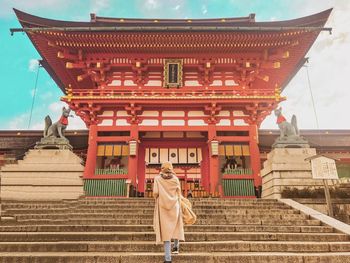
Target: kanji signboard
(324, 168)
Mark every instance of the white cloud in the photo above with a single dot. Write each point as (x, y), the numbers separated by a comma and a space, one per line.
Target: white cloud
(32, 92)
(33, 65)
(47, 95)
(152, 4)
(20, 122)
(56, 111)
(98, 6)
(204, 9)
(57, 106)
(329, 68)
(33, 6)
(177, 7)
(76, 123)
(161, 8)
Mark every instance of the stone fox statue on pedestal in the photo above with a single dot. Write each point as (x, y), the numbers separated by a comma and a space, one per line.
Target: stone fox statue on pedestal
(287, 129)
(57, 129)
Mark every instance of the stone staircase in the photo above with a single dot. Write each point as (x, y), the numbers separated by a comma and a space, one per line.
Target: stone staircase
(120, 230)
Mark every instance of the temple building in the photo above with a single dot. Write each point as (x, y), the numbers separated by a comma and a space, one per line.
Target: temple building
(191, 91)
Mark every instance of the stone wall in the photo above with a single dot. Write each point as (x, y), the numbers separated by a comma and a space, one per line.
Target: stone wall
(287, 167)
(43, 175)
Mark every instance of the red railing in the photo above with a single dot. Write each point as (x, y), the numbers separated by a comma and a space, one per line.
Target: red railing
(172, 92)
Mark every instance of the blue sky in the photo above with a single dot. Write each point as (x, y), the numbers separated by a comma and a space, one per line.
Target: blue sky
(329, 63)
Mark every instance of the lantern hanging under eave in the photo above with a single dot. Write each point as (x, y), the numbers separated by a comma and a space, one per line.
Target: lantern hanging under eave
(214, 145)
(133, 148)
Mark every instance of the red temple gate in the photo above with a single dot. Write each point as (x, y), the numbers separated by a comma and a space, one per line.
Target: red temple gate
(191, 91)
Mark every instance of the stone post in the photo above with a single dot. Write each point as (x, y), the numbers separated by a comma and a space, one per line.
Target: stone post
(287, 167)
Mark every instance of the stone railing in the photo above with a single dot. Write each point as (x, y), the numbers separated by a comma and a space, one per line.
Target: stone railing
(341, 207)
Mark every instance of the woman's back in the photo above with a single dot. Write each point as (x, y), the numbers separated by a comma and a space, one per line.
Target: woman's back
(168, 190)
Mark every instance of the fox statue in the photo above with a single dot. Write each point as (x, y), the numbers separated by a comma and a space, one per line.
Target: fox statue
(287, 129)
(58, 128)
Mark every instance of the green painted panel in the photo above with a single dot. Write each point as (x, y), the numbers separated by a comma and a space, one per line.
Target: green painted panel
(240, 187)
(239, 171)
(343, 170)
(105, 187)
(111, 171)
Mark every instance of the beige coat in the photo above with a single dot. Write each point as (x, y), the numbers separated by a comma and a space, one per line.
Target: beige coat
(167, 220)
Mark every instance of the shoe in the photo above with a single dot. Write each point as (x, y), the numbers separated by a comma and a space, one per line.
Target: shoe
(167, 261)
(175, 250)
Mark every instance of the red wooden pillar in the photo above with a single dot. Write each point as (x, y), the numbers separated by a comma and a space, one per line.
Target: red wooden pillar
(205, 168)
(213, 162)
(92, 152)
(141, 168)
(132, 166)
(255, 154)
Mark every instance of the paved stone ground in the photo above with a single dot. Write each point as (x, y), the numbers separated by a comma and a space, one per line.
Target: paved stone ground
(120, 230)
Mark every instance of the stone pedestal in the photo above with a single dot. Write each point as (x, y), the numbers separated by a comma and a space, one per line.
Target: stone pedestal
(43, 175)
(286, 167)
(53, 143)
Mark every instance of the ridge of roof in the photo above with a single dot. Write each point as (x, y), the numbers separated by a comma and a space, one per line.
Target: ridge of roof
(27, 19)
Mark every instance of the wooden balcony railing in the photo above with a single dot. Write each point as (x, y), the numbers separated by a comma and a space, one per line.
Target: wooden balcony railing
(183, 92)
(239, 171)
(104, 171)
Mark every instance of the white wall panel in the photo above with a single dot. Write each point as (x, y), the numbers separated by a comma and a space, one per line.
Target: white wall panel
(196, 114)
(192, 155)
(173, 155)
(154, 155)
(239, 122)
(122, 113)
(192, 83)
(173, 122)
(224, 113)
(149, 123)
(156, 83)
(224, 122)
(107, 114)
(182, 155)
(164, 155)
(238, 113)
(173, 113)
(149, 113)
(196, 123)
(129, 83)
(122, 122)
(106, 123)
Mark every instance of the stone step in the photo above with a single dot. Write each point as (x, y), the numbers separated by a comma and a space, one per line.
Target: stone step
(120, 230)
(208, 199)
(203, 206)
(101, 216)
(150, 236)
(146, 211)
(96, 201)
(194, 257)
(150, 246)
(209, 221)
(141, 207)
(193, 228)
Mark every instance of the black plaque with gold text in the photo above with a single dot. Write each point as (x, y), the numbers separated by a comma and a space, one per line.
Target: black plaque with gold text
(173, 73)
